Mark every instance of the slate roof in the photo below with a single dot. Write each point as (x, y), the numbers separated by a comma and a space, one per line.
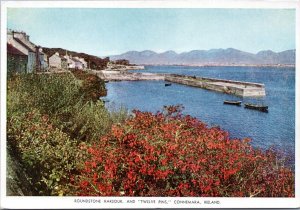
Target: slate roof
(14, 51)
(22, 43)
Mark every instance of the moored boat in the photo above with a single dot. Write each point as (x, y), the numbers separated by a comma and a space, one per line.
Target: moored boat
(237, 103)
(167, 84)
(261, 108)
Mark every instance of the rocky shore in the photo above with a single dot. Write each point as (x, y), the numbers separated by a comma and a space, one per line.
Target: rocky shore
(119, 67)
(108, 75)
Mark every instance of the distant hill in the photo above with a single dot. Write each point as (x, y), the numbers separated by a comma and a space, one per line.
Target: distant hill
(94, 61)
(228, 56)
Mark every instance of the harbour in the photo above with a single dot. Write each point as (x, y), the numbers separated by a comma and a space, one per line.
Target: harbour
(238, 88)
(265, 129)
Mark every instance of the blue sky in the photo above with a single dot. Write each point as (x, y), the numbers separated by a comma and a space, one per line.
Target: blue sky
(113, 31)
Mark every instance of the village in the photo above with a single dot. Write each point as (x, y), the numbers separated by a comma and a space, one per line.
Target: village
(23, 56)
(139, 104)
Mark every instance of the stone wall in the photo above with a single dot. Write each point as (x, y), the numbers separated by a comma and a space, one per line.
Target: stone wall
(243, 89)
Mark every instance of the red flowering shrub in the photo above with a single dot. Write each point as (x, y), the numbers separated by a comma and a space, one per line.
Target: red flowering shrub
(167, 154)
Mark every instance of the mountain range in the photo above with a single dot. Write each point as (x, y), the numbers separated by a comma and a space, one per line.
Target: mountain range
(229, 56)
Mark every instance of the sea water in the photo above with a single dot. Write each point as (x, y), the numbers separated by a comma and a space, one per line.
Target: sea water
(275, 128)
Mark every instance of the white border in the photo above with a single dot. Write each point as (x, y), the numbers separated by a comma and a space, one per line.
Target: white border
(155, 4)
(69, 202)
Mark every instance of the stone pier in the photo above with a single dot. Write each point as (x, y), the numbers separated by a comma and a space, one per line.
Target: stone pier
(242, 89)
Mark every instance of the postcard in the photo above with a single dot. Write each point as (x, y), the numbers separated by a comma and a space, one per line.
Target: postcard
(149, 104)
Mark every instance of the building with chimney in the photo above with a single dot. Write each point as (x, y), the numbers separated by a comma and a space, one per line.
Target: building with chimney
(55, 61)
(35, 57)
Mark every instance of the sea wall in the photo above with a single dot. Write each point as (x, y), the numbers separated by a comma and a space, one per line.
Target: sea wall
(239, 88)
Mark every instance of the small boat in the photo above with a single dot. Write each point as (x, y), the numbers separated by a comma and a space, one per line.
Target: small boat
(261, 108)
(237, 103)
(167, 84)
(106, 81)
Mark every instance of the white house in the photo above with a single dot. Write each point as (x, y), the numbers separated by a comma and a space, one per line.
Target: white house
(78, 63)
(70, 61)
(55, 61)
(84, 63)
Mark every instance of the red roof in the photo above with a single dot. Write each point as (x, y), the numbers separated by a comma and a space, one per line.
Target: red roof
(12, 50)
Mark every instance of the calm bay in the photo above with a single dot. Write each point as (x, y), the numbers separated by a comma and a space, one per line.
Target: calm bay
(276, 128)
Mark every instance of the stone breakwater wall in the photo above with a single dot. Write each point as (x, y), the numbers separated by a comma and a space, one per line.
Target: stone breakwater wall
(243, 89)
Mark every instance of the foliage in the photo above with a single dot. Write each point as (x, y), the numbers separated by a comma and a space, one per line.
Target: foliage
(74, 146)
(48, 117)
(51, 94)
(121, 62)
(91, 122)
(167, 154)
(49, 155)
(71, 102)
(91, 86)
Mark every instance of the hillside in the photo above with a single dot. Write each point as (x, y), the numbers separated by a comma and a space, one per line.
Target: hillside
(227, 56)
(94, 62)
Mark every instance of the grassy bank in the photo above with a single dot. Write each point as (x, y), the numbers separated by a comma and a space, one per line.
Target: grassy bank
(48, 117)
(71, 145)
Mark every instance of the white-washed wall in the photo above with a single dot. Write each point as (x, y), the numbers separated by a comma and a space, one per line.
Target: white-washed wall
(55, 61)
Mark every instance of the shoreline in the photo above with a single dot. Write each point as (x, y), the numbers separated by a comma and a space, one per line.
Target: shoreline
(137, 67)
(225, 65)
(44, 124)
(238, 88)
(120, 68)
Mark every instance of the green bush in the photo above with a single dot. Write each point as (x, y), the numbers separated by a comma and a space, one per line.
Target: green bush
(91, 86)
(47, 118)
(50, 94)
(48, 154)
(92, 120)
